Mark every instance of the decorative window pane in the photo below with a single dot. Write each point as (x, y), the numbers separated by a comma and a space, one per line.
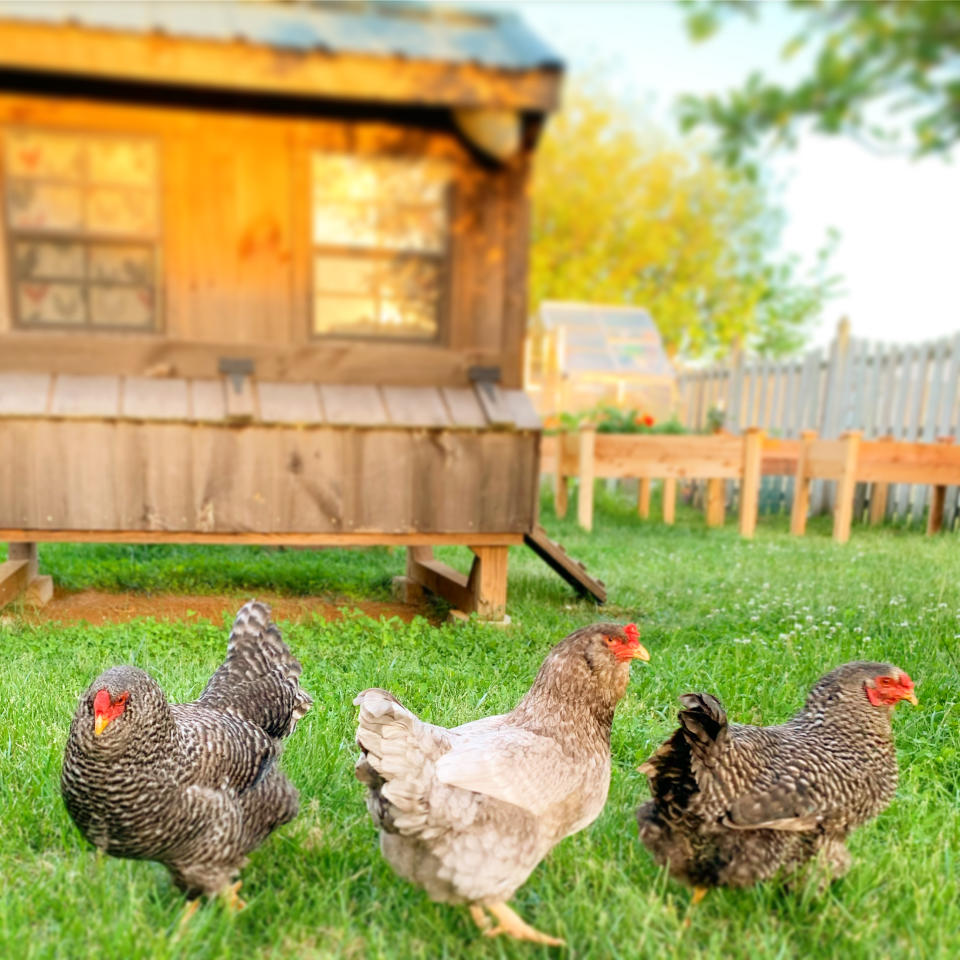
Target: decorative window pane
(82, 213)
(380, 234)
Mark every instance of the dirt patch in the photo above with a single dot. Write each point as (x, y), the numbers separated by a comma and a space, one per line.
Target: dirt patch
(96, 606)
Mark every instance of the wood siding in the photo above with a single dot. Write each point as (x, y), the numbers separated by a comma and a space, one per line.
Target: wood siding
(235, 258)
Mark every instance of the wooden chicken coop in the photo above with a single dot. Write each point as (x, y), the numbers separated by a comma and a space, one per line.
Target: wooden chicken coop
(263, 279)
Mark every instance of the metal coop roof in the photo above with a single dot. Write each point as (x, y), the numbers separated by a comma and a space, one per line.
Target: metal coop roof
(491, 38)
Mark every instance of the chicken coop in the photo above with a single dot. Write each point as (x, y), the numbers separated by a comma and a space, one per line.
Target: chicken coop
(263, 279)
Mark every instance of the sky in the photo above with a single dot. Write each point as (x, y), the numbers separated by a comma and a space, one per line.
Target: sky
(898, 219)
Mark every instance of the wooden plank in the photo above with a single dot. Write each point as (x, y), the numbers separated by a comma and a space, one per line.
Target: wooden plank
(293, 403)
(14, 579)
(587, 440)
(735, 394)
(494, 405)
(415, 406)
(716, 507)
(154, 57)
(488, 582)
(207, 401)
(525, 417)
(662, 455)
(24, 394)
(464, 407)
(948, 425)
(878, 494)
(279, 539)
(908, 463)
(643, 497)
(86, 397)
(750, 481)
(801, 489)
(353, 405)
(558, 559)
(843, 510)
(154, 398)
(25, 551)
(439, 578)
(669, 504)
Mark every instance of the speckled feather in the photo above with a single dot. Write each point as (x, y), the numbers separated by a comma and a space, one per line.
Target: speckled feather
(467, 813)
(733, 805)
(194, 785)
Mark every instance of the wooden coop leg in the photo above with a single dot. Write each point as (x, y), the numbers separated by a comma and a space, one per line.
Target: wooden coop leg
(669, 500)
(716, 508)
(938, 498)
(643, 497)
(19, 577)
(588, 436)
(750, 481)
(846, 488)
(483, 592)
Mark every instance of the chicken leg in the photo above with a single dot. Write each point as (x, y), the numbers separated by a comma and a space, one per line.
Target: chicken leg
(512, 925)
(231, 894)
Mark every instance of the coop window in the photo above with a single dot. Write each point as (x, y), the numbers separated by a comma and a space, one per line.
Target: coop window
(82, 228)
(380, 240)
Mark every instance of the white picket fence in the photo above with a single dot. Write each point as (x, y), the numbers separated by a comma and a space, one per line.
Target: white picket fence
(907, 391)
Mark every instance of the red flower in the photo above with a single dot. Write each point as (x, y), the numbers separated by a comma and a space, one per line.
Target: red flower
(648, 421)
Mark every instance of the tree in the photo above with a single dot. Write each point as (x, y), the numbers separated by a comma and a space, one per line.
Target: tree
(886, 72)
(623, 215)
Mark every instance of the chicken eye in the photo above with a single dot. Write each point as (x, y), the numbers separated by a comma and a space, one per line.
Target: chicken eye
(885, 681)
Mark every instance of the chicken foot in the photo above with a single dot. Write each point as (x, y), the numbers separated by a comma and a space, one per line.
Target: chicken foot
(510, 923)
(231, 894)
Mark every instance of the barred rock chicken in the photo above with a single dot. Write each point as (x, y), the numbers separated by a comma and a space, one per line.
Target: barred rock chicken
(468, 813)
(733, 805)
(194, 786)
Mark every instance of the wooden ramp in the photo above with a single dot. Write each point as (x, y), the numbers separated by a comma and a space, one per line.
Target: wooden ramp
(574, 572)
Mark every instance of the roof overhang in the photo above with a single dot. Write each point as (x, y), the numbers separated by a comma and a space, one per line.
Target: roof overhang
(157, 58)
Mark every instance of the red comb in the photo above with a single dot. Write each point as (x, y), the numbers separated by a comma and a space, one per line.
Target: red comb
(633, 634)
(101, 702)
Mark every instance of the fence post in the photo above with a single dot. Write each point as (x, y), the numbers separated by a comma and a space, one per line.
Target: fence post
(846, 488)
(750, 480)
(938, 496)
(587, 441)
(801, 486)
(878, 495)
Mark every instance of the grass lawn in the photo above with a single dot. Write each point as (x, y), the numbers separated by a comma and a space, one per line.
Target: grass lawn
(754, 622)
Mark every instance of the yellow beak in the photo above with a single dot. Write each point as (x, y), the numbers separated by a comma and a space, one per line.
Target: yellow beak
(912, 698)
(100, 724)
(640, 653)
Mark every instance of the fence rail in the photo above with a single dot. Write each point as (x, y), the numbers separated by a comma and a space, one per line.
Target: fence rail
(907, 392)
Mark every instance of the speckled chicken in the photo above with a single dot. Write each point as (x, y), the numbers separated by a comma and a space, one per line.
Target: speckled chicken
(196, 785)
(467, 813)
(733, 805)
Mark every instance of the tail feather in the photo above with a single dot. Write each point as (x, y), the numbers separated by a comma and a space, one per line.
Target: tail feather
(260, 678)
(397, 761)
(703, 722)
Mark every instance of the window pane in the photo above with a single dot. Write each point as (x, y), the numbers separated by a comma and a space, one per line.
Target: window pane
(408, 318)
(117, 160)
(34, 153)
(43, 206)
(121, 306)
(117, 211)
(38, 259)
(345, 225)
(354, 275)
(60, 303)
(121, 263)
(354, 316)
(411, 278)
(413, 228)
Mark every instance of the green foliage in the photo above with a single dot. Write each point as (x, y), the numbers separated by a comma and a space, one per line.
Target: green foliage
(624, 215)
(885, 72)
(608, 419)
(755, 622)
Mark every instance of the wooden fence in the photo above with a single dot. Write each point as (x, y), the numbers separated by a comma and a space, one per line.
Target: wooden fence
(908, 392)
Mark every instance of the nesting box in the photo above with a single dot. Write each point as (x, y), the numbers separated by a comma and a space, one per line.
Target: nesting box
(263, 276)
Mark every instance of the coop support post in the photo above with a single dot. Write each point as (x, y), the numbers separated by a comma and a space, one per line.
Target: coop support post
(715, 501)
(750, 480)
(586, 445)
(878, 495)
(19, 576)
(669, 499)
(483, 592)
(801, 486)
(643, 497)
(846, 487)
(938, 497)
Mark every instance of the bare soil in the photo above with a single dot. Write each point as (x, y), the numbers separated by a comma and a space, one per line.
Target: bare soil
(96, 607)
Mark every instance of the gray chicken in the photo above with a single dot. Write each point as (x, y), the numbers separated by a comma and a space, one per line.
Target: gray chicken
(733, 805)
(196, 785)
(468, 813)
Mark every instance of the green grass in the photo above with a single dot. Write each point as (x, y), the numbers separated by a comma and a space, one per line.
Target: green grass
(756, 623)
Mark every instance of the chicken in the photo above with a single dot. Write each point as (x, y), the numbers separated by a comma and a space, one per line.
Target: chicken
(733, 805)
(468, 813)
(196, 785)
